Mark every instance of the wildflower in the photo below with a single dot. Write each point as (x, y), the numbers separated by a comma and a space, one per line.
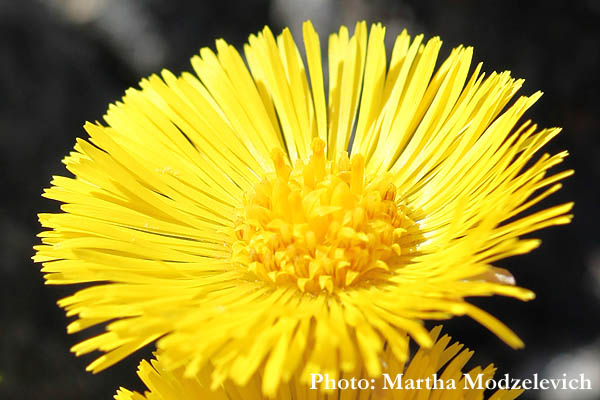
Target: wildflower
(425, 369)
(239, 218)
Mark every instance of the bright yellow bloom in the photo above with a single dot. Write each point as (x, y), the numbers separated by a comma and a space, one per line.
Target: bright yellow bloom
(425, 367)
(237, 217)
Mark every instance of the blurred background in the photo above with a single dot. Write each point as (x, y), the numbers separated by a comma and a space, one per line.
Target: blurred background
(63, 61)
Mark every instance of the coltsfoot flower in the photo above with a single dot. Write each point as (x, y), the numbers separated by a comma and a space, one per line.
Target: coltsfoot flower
(240, 217)
(423, 371)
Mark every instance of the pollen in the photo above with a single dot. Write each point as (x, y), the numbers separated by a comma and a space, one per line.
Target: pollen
(322, 225)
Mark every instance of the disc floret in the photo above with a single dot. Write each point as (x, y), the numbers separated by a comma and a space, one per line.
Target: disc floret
(322, 225)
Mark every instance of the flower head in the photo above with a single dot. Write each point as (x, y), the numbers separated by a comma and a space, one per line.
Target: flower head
(423, 375)
(239, 218)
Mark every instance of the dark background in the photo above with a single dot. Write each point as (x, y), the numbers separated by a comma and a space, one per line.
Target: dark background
(63, 61)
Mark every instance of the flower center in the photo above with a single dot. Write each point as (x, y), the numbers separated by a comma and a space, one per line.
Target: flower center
(322, 225)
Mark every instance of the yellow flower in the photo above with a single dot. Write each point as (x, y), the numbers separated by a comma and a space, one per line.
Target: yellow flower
(423, 375)
(237, 217)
